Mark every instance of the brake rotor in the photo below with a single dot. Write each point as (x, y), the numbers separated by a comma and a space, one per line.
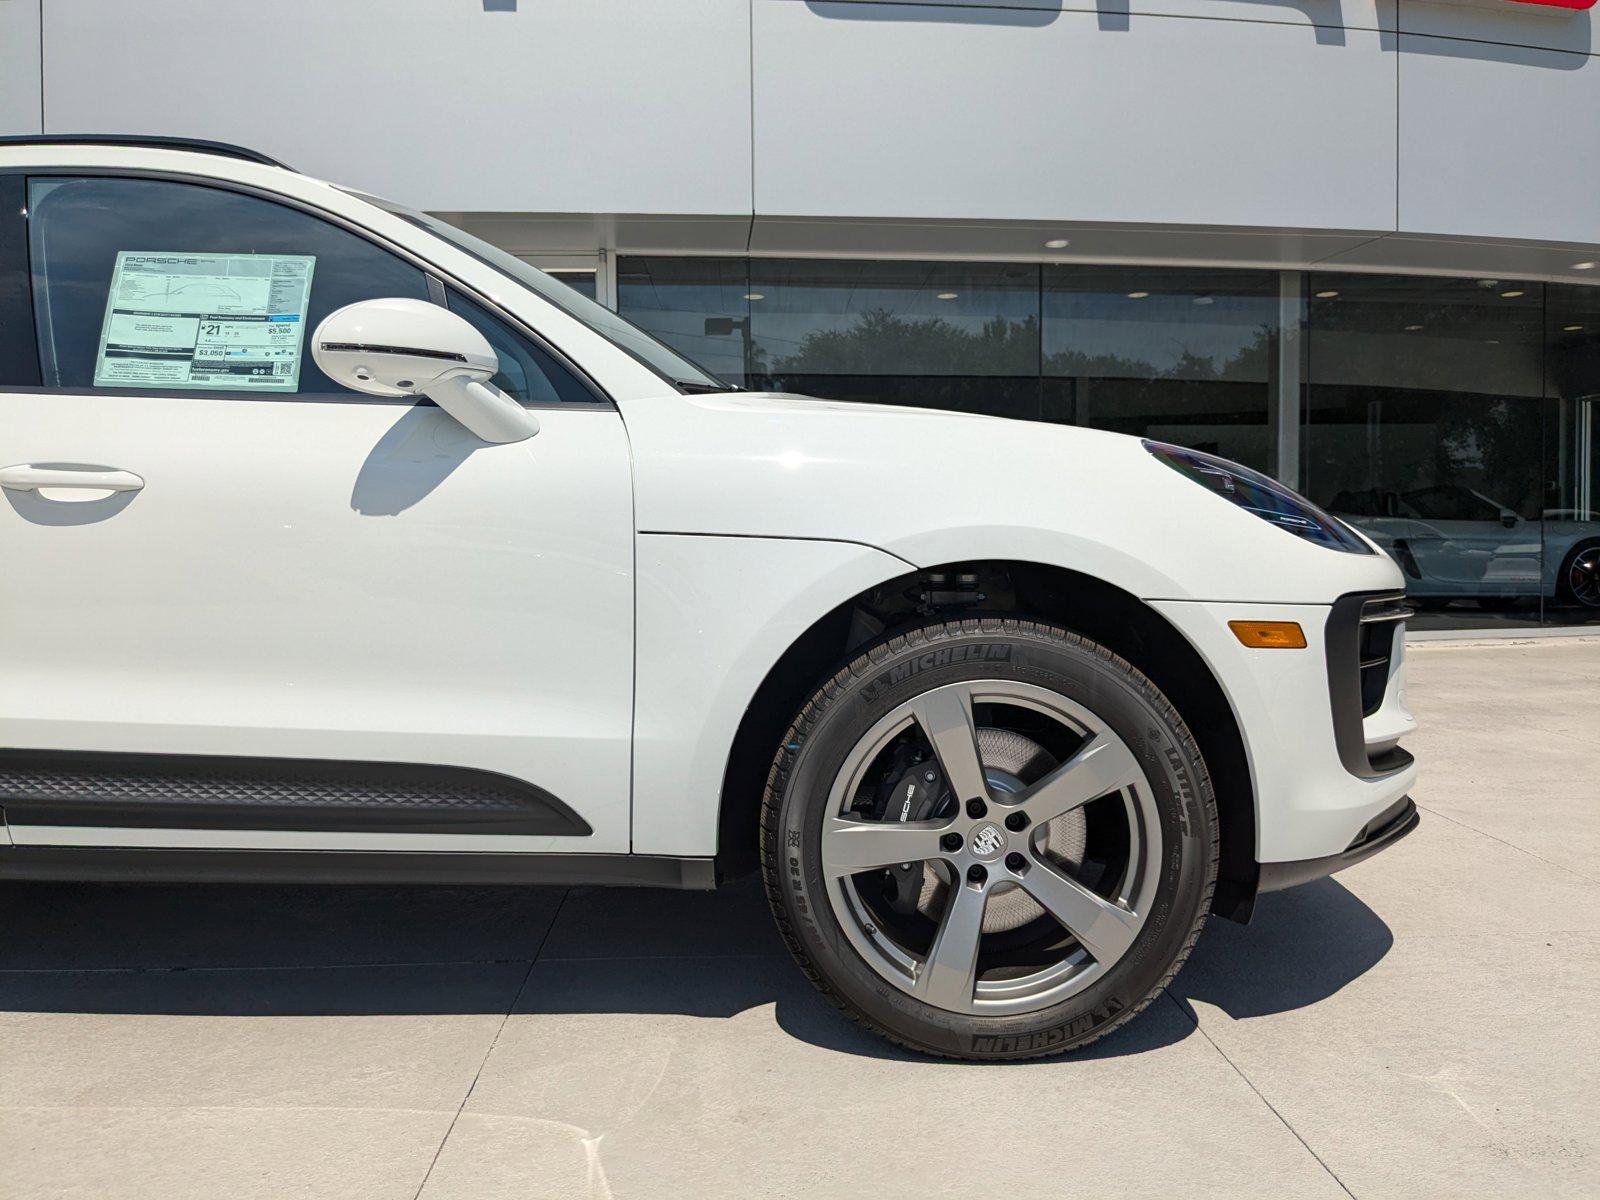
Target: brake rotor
(1010, 763)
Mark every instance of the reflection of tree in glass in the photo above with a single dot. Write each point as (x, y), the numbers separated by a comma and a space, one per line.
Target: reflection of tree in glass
(1249, 362)
(882, 343)
(1493, 444)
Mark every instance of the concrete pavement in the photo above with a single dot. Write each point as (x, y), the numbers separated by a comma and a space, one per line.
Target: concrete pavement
(1424, 1025)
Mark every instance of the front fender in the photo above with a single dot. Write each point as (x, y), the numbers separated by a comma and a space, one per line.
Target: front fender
(714, 614)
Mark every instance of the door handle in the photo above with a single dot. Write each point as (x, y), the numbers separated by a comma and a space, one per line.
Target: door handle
(25, 477)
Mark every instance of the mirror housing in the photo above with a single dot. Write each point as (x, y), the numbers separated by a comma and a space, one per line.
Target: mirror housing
(399, 347)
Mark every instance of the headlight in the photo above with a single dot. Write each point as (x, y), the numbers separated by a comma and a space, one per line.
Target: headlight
(1261, 496)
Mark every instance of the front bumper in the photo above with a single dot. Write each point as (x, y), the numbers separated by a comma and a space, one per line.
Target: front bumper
(1380, 833)
(1321, 726)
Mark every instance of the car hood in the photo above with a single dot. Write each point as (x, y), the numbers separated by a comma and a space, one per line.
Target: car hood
(933, 487)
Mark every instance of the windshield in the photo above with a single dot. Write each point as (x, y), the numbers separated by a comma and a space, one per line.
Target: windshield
(666, 362)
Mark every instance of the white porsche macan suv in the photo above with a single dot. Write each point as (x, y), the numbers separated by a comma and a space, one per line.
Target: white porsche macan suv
(341, 546)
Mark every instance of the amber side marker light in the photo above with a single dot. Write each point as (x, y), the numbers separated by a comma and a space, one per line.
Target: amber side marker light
(1269, 635)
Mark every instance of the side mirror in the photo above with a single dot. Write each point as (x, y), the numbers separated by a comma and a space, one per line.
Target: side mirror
(402, 347)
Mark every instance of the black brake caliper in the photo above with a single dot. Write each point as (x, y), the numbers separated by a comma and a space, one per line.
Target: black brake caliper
(912, 791)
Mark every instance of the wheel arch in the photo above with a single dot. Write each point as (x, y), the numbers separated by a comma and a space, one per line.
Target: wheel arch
(1076, 601)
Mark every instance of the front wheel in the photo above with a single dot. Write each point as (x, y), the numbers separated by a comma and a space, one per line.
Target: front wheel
(1578, 582)
(989, 839)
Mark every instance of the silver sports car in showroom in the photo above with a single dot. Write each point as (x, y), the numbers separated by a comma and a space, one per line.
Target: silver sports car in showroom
(1453, 542)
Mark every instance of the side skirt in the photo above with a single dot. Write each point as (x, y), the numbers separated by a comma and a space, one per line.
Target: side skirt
(176, 791)
(107, 864)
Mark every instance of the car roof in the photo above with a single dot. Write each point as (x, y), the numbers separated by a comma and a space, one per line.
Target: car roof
(154, 142)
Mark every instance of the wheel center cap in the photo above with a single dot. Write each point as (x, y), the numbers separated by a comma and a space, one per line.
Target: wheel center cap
(987, 841)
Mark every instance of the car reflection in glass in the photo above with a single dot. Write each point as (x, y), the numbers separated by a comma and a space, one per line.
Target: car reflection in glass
(1456, 543)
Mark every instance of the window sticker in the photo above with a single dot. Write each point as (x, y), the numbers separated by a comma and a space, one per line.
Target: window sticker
(219, 321)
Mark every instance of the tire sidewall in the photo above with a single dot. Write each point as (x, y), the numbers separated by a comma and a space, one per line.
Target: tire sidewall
(1059, 662)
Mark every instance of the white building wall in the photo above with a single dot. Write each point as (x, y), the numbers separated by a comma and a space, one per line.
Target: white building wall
(1499, 141)
(1344, 132)
(886, 110)
(19, 66)
(514, 105)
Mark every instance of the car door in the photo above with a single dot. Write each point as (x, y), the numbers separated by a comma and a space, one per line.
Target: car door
(243, 607)
(1467, 542)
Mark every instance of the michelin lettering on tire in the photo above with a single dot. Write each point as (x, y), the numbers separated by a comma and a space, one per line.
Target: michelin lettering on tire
(944, 657)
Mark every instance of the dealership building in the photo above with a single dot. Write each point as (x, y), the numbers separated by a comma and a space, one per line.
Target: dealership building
(1352, 243)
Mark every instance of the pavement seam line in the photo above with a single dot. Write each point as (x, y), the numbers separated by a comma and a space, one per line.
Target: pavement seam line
(1194, 1019)
(1433, 812)
(493, 1042)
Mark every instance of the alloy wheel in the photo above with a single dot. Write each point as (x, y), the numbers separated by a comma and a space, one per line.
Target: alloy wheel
(1027, 871)
(1583, 577)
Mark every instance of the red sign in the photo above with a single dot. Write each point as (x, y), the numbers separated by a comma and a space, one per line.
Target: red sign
(1558, 3)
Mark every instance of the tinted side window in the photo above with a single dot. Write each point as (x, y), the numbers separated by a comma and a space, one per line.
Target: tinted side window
(19, 359)
(252, 276)
(1451, 504)
(527, 372)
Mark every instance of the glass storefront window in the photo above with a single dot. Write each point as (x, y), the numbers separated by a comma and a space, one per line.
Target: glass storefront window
(1571, 444)
(1424, 430)
(580, 281)
(935, 335)
(1178, 355)
(698, 306)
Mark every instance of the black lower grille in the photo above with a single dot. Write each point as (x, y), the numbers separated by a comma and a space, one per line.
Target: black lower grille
(1382, 621)
(1360, 638)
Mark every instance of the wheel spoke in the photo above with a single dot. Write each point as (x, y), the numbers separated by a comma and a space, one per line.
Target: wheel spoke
(850, 845)
(1105, 929)
(945, 715)
(1104, 765)
(949, 977)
